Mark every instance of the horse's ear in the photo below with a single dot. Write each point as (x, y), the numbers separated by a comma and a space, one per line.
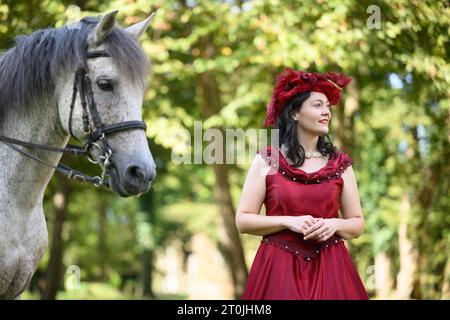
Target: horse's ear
(138, 29)
(102, 29)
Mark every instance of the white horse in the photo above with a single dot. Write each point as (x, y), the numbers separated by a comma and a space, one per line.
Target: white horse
(86, 80)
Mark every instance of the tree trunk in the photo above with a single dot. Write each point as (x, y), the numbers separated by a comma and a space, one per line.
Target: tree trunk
(147, 204)
(425, 197)
(344, 128)
(230, 242)
(54, 271)
(147, 275)
(408, 255)
(383, 279)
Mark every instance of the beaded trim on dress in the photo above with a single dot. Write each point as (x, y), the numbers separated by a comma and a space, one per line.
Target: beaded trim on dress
(299, 248)
(334, 168)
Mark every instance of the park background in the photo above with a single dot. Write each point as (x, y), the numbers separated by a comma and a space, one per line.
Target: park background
(215, 62)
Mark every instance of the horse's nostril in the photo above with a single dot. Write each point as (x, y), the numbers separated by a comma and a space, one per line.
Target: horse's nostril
(135, 173)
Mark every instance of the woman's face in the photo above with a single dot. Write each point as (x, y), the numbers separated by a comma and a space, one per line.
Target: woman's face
(313, 110)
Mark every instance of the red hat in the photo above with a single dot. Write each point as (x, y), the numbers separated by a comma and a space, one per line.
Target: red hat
(291, 82)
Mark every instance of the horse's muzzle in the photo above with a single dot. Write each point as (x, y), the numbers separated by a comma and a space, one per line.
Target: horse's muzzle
(131, 179)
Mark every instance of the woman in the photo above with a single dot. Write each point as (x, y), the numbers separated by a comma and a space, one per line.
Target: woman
(303, 184)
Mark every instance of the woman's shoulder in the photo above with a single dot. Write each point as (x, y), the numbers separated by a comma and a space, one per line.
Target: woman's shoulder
(267, 150)
(342, 159)
(267, 159)
(264, 153)
(261, 163)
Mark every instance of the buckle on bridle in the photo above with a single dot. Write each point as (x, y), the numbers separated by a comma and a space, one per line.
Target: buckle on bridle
(106, 156)
(97, 181)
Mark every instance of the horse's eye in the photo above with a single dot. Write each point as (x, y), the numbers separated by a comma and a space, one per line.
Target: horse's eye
(105, 84)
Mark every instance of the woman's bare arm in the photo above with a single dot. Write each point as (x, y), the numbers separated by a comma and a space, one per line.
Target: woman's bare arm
(248, 219)
(351, 225)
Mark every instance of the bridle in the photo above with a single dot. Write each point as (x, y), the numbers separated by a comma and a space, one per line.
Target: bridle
(98, 132)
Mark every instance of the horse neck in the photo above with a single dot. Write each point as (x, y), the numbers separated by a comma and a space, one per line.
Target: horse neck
(24, 178)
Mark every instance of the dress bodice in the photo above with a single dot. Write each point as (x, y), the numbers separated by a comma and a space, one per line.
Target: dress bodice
(292, 191)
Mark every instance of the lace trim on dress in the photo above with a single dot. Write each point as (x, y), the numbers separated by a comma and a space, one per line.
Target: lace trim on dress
(334, 168)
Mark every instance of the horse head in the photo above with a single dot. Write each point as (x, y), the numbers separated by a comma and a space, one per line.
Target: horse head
(100, 102)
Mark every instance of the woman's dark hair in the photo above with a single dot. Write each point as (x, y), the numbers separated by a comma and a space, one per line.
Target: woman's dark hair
(288, 132)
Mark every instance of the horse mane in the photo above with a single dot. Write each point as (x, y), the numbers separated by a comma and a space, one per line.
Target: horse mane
(29, 69)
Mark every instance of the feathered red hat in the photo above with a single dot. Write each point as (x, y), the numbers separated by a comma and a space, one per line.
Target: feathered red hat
(290, 83)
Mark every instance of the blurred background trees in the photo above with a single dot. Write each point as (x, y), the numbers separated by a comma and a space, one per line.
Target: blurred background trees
(215, 62)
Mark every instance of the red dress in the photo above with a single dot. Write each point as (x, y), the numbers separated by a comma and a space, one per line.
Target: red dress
(288, 267)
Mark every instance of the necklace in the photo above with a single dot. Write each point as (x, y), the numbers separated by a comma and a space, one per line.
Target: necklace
(308, 154)
(314, 154)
